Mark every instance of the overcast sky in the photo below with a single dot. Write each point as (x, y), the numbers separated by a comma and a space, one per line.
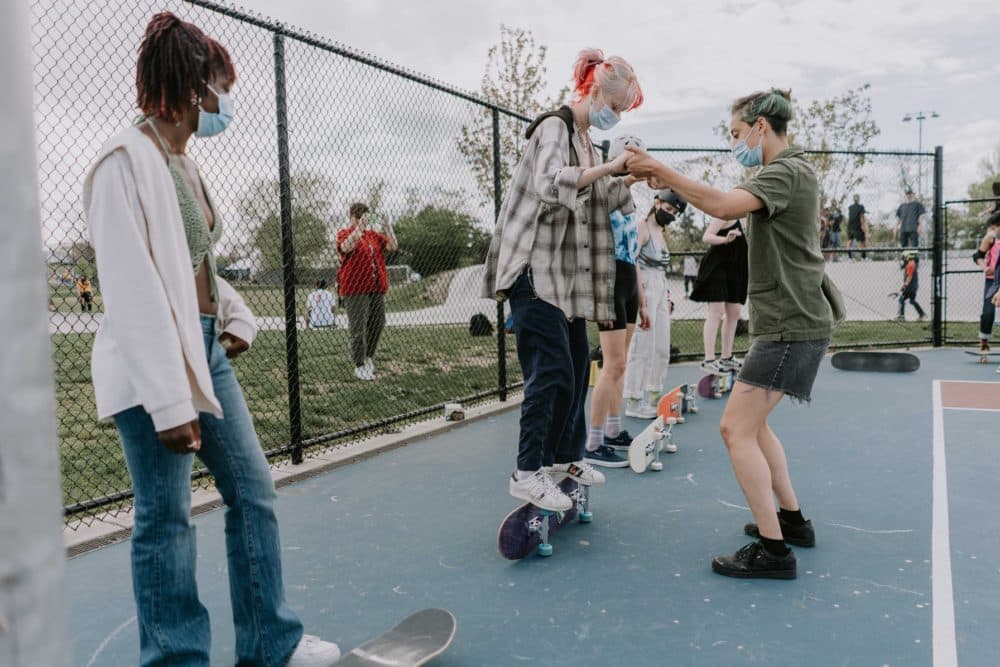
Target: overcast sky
(694, 57)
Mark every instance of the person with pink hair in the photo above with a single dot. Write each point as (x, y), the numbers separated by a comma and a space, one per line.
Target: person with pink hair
(552, 256)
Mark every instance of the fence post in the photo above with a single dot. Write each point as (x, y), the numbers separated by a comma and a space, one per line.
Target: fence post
(287, 252)
(497, 194)
(937, 339)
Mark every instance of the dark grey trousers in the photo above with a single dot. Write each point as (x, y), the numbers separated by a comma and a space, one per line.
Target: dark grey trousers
(365, 321)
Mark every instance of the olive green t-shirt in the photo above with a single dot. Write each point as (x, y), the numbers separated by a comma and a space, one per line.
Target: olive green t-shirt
(791, 299)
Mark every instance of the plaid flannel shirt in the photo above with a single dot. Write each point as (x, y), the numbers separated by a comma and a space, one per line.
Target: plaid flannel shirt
(562, 235)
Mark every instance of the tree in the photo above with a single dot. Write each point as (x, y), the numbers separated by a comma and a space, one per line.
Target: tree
(311, 211)
(438, 239)
(514, 80)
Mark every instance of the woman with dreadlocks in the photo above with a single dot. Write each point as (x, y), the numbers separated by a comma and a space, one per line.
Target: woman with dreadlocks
(161, 366)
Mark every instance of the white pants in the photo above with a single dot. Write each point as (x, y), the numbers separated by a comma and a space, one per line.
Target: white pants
(649, 352)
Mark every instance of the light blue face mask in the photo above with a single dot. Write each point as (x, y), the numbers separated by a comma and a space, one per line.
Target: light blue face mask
(749, 157)
(605, 119)
(211, 124)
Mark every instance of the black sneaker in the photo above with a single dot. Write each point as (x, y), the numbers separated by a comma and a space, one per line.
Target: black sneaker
(800, 536)
(754, 562)
(606, 457)
(621, 442)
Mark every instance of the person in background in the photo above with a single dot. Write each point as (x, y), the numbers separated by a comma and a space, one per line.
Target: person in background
(722, 283)
(85, 293)
(911, 282)
(690, 274)
(364, 282)
(321, 307)
(857, 228)
(910, 218)
(836, 220)
(986, 259)
(649, 354)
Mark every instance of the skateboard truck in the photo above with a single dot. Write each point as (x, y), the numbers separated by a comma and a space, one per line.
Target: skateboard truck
(540, 524)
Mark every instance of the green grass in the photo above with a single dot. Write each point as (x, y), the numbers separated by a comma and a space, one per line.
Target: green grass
(417, 367)
(269, 300)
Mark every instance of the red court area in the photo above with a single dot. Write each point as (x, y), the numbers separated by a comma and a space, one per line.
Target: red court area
(971, 395)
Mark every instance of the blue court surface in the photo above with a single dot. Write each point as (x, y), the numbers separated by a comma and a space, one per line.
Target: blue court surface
(898, 472)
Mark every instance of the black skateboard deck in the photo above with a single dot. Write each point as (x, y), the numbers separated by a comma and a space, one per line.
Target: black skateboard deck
(880, 362)
(414, 641)
(527, 528)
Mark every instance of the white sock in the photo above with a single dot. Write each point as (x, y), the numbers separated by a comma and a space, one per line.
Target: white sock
(521, 475)
(613, 426)
(595, 439)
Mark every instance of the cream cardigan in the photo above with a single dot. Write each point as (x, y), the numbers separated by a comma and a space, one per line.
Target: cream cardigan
(149, 349)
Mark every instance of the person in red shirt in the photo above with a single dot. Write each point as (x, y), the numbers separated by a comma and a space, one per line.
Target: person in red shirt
(908, 292)
(363, 283)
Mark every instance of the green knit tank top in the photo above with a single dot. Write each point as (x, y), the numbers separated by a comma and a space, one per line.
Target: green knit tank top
(200, 238)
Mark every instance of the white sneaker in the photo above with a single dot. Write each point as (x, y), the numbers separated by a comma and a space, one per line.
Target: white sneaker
(643, 411)
(581, 471)
(370, 365)
(314, 652)
(714, 367)
(730, 364)
(363, 373)
(541, 491)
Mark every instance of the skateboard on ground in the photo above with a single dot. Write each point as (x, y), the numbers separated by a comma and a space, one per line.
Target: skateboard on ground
(884, 362)
(415, 641)
(671, 405)
(984, 355)
(689, 398)
(715, 385)
(526, 530)
(644, 452)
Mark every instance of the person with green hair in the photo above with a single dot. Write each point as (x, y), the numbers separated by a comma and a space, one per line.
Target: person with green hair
(793, 310)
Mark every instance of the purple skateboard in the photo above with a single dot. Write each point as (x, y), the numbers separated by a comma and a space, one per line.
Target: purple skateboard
(714, 386)
(527, 528)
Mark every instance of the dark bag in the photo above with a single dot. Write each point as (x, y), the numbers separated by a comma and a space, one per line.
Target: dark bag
(480, 325)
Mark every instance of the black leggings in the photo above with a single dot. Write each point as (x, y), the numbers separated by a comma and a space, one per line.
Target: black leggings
(989, 314)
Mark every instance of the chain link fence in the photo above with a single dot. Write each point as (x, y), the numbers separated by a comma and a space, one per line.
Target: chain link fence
(319, 127)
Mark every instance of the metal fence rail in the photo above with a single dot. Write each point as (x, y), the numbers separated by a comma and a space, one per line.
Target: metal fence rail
(320, 126)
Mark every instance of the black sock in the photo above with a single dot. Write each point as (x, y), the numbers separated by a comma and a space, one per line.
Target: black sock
(793, 517)
(774, 547)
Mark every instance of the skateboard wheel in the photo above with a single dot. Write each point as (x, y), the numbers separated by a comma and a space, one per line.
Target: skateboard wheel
(586, 517)
(544, 549)
(694, 411)
(672, 420)
(656, 465)
(680, 420)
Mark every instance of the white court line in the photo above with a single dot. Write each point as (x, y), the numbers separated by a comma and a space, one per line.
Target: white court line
(973, 409)
(945, 652)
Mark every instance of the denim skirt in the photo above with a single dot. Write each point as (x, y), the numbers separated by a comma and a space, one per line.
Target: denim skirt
(786, 366)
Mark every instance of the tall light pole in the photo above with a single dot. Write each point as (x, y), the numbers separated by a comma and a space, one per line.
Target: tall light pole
(920, 117)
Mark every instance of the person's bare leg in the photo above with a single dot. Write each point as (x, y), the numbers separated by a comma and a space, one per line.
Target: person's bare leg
(607, 396)
(781, 482)
(615, 402)
(733, 312)
(745, 414)
(711, 328)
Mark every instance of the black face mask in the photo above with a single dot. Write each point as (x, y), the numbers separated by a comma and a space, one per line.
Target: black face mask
(663, 218)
